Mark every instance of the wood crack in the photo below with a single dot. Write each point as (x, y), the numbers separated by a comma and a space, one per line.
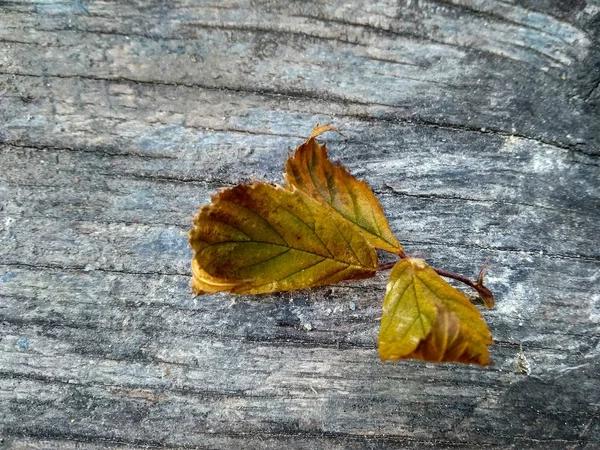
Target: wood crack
(424, 38)
(317, 339)
(172, 179)
(339, 437)
(97, 150)
(501, 19)
(595, 86)
(400, 193)
(306, 94)
(251, 28)
(203, 393)
(531, 252)
(95, 269)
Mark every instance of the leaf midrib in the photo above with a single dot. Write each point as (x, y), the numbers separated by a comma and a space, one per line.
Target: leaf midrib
(289, 248)
(353, 219)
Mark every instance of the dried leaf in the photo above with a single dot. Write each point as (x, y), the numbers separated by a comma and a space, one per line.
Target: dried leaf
(311, 171)
(262, 238)
(426, 318)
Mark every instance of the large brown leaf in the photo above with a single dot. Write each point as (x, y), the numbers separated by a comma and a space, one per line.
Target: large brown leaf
(262, 238)
(311, 171)
(426, 318)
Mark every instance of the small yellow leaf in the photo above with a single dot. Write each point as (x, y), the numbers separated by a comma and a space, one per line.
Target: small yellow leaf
(426, 318)
(262, 238)
(311, 171)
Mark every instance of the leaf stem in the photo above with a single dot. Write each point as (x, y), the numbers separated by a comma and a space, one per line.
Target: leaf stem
(386, 266)
(484, 293)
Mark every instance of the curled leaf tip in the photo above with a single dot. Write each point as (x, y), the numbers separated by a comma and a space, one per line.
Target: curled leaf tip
(486, 296)
(320, 129)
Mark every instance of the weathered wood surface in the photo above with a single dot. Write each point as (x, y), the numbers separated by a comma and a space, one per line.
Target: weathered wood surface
(476, 123)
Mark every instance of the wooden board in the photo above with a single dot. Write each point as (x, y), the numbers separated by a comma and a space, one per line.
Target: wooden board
(476, 123)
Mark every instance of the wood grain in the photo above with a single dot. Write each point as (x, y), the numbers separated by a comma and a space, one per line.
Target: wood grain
(476, 124)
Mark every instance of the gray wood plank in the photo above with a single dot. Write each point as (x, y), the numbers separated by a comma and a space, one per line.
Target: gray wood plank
(476, 124)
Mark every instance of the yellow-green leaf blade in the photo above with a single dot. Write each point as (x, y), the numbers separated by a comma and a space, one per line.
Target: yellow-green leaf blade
(407, 316)
(261, 238)
(426, 318)
(311, 171)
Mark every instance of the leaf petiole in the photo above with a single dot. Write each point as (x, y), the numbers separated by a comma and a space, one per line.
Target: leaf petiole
(484, 293)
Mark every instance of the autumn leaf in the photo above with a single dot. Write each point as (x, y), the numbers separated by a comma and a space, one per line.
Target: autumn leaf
(311, 171)
(426, 318)
(262, 238)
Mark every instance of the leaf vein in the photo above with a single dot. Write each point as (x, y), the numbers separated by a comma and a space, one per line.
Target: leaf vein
(259, 216)
(346, 241)
(306, 224)
(332, 258)
(291, 274)
(268, 259)
(313, 164)
(397, 304)
(418, 305)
